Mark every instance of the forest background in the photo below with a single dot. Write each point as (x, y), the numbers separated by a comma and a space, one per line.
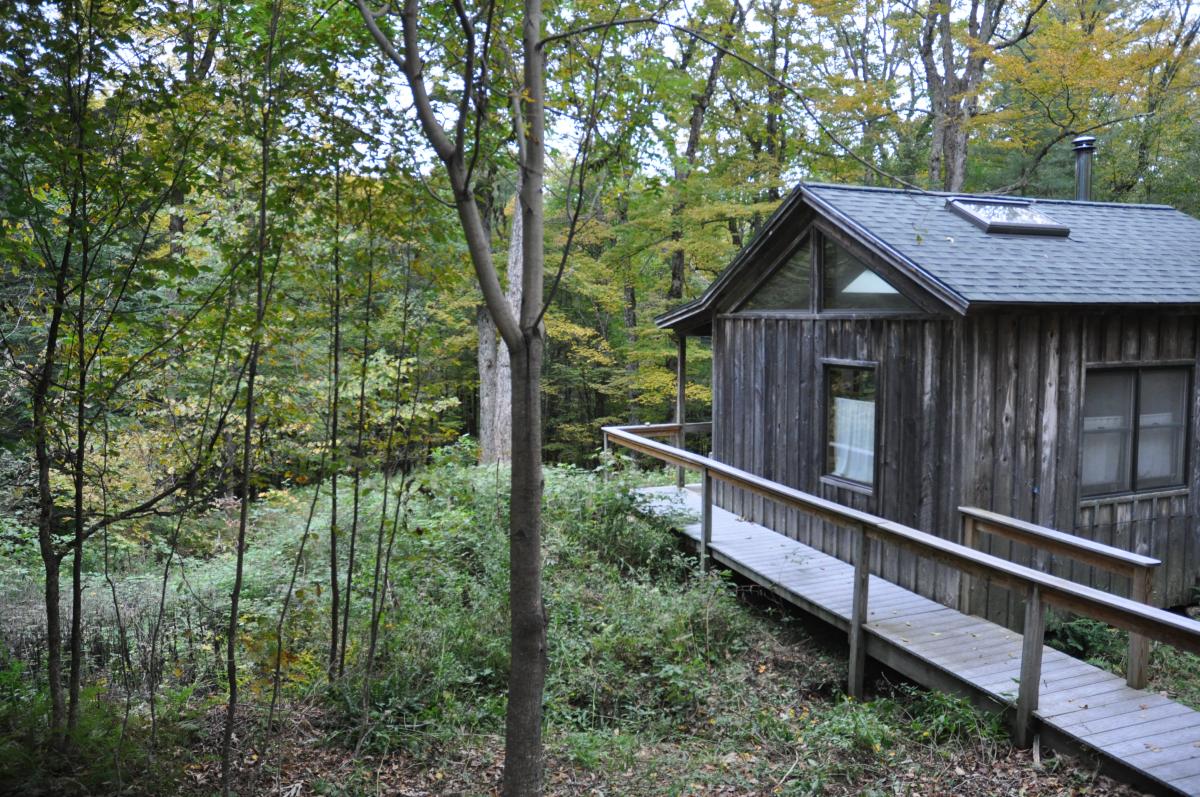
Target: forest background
(230, 269)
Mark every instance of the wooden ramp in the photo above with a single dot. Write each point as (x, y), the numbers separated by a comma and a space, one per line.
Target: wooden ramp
(1143, 735)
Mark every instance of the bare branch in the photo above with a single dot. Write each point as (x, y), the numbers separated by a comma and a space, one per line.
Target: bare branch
(805, 102)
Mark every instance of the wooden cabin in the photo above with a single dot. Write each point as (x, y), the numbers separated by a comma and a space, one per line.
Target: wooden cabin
(907, 353)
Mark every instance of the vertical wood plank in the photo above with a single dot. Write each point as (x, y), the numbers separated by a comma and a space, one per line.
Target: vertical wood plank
(1005, 386)
(983, 397)
(758, 444)
(1067, 514)
(929, 483)
(1024, 458)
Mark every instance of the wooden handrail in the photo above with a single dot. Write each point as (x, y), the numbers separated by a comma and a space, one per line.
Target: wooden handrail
(666, 429)
(1040, 588)
(1116, 560)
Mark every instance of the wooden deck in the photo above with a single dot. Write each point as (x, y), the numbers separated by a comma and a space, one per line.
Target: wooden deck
(1142, 735)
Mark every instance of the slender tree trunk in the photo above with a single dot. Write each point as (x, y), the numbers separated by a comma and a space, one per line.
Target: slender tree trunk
(358, 456)
(523, 336)
(388, 471)
(631, 366)
(523, 746)
(334, 453)
(47, 523)
(77, 477)
(231, 639)
(523, 763)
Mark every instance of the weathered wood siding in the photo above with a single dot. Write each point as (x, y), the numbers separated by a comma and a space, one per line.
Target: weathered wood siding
(1021, 399)
(982, 411)
(769, 404)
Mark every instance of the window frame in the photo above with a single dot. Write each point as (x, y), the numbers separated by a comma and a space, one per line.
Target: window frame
(830, 479)
(810, 236)
(815, 234)
(1137, 369)
(822, 307)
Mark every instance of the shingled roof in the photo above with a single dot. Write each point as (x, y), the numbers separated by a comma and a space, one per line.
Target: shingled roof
(1114, 253)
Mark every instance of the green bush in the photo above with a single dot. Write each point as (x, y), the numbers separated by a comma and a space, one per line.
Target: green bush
(864, 729)
(1090, 640)
(942, 718)
(633, 631)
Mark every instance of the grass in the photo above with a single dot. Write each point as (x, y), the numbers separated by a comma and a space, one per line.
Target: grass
(662, 680)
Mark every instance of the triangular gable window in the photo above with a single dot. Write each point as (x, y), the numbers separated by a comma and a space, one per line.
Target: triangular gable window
(790, 287)
(850, 284)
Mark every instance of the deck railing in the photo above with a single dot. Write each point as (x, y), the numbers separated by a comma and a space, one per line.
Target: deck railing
(1040, 589)
(1046, 541)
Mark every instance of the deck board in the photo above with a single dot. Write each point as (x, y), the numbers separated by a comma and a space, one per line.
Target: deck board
(1141, 731)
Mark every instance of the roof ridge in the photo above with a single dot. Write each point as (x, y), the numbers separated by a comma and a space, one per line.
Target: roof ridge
(968, 195)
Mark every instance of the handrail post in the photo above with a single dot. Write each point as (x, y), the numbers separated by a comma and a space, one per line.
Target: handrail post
(1031, 666)
(1139, 646)
(964, 579)
(858, 613)
(706, 502)
(681, 405)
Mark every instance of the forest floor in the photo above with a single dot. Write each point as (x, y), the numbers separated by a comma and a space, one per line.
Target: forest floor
(662, 681)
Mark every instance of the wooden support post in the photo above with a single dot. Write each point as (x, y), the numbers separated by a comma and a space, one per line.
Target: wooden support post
(706, 502)
(858, 613)
(1139, 646)
(1031, 666)
(964, 580)
(681, 403)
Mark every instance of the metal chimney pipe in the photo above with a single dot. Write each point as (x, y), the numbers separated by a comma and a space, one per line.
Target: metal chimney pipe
(1084, 147)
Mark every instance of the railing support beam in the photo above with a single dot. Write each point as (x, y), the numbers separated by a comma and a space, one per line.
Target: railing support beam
(1031, 666)
(706, 503)
(1139, 646)
(858, 614)
(964, 579)
(681, 404)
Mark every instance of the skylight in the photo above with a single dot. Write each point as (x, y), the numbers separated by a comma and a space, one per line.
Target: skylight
(1013, 216)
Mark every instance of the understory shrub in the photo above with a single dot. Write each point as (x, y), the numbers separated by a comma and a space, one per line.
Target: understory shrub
(633, 633)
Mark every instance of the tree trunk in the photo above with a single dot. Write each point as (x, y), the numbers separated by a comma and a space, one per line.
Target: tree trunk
(523, 755)
(357, 476)
(334, 458)
(631, 366)
(51, 560)
(495, 365)
(261, 293)
(523, 748)
(948, 146)
(487, 360)
(683, 170)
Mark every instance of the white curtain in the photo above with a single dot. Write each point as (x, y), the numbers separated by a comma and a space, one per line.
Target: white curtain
(853, 439)
(1156, 446)
(1104, 453)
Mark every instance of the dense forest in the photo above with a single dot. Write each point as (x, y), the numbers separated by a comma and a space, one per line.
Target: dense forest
(285, 286)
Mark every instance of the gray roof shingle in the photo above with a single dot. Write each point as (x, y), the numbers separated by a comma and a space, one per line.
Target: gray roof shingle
(1115, 254)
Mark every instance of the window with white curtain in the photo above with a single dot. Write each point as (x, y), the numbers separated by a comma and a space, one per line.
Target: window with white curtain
(851, 423)
(1120, 455)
